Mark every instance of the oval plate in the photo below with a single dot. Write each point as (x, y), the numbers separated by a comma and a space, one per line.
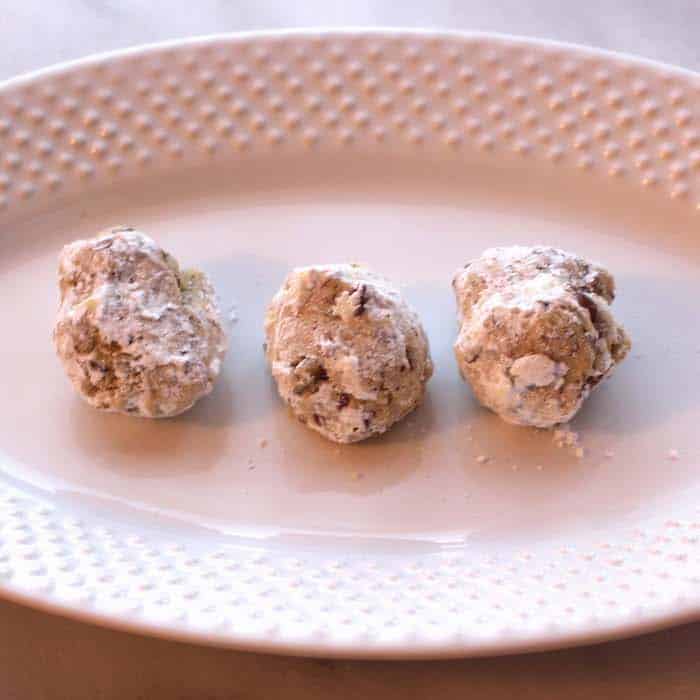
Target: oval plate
(454, 534)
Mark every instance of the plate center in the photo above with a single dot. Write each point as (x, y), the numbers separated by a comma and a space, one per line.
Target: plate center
(240, 463)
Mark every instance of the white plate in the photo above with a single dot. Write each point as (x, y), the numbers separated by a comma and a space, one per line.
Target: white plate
(246, 155)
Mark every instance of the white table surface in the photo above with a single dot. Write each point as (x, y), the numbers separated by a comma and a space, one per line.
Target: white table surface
(48, 657)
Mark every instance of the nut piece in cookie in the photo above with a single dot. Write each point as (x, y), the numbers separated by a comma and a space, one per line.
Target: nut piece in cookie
(135, 333)
(349, 356)
(536, 332)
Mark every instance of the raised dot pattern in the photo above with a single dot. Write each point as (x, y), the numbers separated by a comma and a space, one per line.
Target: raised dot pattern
(235, 593)
(465, 96)
(573, 109)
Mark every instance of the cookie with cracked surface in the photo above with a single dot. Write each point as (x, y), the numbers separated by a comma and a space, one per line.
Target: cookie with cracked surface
(536, 332)
(135, 333)
(348, 354)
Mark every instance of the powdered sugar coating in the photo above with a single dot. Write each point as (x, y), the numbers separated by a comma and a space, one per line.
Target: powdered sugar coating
(349, 356)
(536, 332)
(135, 333)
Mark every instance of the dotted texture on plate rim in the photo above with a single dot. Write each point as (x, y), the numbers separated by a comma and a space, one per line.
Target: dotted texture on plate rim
(461, 600)
(87, 124)
(216, 99)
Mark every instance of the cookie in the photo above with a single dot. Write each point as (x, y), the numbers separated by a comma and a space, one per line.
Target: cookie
(536, 332)
(135, 333)
(348, 354)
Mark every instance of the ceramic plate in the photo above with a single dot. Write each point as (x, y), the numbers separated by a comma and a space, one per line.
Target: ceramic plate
(454, 534)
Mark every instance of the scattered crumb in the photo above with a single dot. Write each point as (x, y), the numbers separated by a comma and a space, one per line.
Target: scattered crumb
(482, 459)
(673, 455)
(565, 437)
(539, 467)
(514, 467)
(233, 313)
(263, 443)
(609, 454)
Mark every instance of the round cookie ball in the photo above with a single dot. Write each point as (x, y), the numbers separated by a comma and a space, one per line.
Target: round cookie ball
(536, 332)
(135, 333)
(349, 356)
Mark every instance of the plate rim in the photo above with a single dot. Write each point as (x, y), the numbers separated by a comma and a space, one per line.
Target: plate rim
(349, 650)
(326, 31)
